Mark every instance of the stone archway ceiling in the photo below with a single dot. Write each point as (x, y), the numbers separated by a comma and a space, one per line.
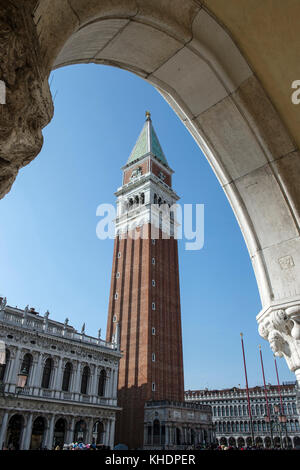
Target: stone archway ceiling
(267, 33)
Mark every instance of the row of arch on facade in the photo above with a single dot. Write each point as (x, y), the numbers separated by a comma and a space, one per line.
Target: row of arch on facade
(135, 201)
(292, 425)
(16, 428)
(286, 442)
(48, 370)
(139, 199)
(256, 410)
(159, 434)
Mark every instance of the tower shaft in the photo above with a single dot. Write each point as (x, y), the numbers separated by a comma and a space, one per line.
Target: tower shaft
(144, 294)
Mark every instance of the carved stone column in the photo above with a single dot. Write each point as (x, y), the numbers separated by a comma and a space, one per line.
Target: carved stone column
(280, 325)
(112, 433)
(28, 104)
(28, 431)
(3, 429)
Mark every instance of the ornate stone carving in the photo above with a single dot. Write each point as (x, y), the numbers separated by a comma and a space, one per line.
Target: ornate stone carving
(3, 303)
(281, 327)
(293, 313)
(28, 106)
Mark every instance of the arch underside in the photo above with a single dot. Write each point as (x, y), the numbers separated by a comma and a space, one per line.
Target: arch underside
(182, 50)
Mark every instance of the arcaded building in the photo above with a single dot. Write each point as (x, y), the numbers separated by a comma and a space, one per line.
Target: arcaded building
(58, 385)
(231, 417)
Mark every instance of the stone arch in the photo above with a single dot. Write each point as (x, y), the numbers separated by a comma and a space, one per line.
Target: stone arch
(220, 101)
(296, 442)
(240, 442)
(38, 433)
(268, 442)
(276, 441)
(60, 430)
(98, 432)
(15, 431)
(258, 441)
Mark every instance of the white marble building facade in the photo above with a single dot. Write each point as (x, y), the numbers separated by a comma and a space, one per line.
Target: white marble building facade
(71, 388)
(231, 417)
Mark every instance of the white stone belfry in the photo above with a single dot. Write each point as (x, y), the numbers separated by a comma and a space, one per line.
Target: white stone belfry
(145, 197)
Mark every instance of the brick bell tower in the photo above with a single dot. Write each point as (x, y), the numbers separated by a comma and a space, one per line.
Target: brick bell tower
(144, 305)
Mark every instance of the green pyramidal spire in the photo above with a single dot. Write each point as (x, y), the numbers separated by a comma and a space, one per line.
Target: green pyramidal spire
(147, 143)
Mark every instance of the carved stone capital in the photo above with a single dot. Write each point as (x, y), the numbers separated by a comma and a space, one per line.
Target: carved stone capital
(280, 325)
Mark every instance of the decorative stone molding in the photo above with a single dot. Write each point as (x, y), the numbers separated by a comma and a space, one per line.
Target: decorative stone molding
(280, 325)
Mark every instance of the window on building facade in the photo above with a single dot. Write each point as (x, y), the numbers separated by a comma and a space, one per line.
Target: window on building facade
(67, 377)
(48, 367)
(259, 426)
(101, 383)
(153, 357)
(4, 367)
(153, 283)
(153, 331)
(85, 380)
(26, 365)
(119, 254)
(153, 387)
(153, 260)
(116, 296)
(153, 305)
(118, 275)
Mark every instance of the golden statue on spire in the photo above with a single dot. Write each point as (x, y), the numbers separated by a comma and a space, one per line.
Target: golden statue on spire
(148, 115)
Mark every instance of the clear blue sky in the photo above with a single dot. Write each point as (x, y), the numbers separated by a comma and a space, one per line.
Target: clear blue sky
(52, 259)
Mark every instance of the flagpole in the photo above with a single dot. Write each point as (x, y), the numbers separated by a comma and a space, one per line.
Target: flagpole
(266, 394)
(279, 389)
(247, 389)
